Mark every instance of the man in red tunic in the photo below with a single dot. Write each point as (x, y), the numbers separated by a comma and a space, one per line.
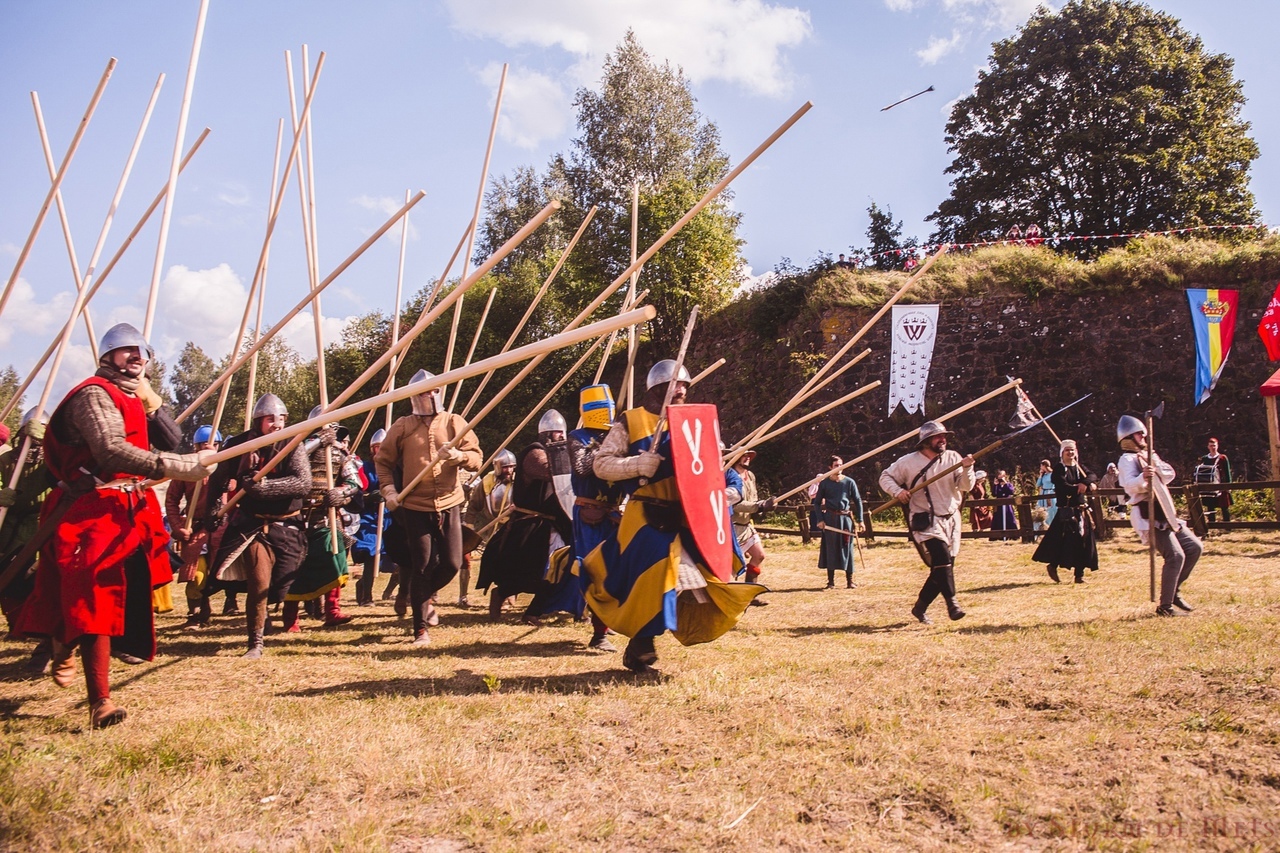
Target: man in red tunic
(107, 551)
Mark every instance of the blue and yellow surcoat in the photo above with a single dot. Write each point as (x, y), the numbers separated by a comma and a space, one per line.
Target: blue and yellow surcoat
(632, 575)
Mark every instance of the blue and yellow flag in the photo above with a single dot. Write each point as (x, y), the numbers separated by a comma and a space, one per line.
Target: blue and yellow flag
(1213, 317)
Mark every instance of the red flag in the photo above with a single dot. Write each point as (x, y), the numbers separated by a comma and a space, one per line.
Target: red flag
(1269, 328)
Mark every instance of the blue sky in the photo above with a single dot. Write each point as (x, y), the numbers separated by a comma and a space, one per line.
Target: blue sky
(405, 101)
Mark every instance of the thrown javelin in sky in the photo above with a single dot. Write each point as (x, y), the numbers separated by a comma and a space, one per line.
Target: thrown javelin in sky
(904, 100)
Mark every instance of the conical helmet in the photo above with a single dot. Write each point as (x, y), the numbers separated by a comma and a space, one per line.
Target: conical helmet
(552, 421)
(124, 335)
(379, 435)
(269, 405)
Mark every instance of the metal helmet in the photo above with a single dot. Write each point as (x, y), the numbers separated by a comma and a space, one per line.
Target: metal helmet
(505, 458)
(269, 405)
(595, 404)
(203, 433)
(552, 421)
(31, 413)
(663, 372)
(315, 413)
(379, 435)
(932, 429)
(1128, 426)
(124, 335)
(418, 401)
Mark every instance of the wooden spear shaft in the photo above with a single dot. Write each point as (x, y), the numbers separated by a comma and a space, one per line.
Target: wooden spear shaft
(628, 375)
(424, 320)
(48, 353)
(167, 214)
(735, 450)
(808, 386)
(542, 347)
(484, 315)
(715, 365)
(1151, 511)
(511, 339)
(57, 183)
(950, 469)
(262, 289)
(475, 220)
(870, 386)
(82, 296)
(904, 437)
(391, 381)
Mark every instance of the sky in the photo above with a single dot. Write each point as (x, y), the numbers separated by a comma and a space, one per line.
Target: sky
(405, 101)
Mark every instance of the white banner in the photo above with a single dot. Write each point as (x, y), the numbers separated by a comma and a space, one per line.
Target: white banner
(915, 328)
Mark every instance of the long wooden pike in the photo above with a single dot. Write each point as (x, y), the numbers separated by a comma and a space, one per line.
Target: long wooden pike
(475, 219)
(106, 271)
(542, 291)
(262, 288)
(547, 345)
(707, 371)
(904, 437)
(475, 339)
(628, 375)
(167, 214)
(675, 379)
(57, 182)
(807, 389)
(82, 295)
(870, 386)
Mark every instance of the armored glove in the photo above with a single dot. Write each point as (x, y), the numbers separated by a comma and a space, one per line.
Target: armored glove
(190, 467)
(337, 496)
(647, 463)
(8, 497)
(151, 401)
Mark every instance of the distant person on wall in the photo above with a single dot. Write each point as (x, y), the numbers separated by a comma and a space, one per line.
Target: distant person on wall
(980, 516)
(1214, 467)
(1013, 236)
(1044, 486)
(1033, 235)
(1070, 542)
(1004, 515)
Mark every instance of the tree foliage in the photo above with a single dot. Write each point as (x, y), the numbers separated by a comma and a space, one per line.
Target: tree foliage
(9, 382)
(1105, 117)
(884, 238)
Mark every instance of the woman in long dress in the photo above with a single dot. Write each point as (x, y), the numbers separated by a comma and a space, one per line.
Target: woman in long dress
(1070, 542)
(1004, 517)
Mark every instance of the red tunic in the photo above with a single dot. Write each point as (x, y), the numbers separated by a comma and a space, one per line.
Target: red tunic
(80, 583)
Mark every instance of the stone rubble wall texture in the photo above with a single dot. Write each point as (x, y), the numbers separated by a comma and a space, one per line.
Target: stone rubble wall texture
(1130, 352)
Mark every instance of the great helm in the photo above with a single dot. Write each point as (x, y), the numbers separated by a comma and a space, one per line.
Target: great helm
(595, 404)
(1128, 426)
(418, 401)
(663, 372)
(379, 435)
(932, 429)
(505, 458)
(124, 335)
(203, 433)
(551, 421)
(269, 406)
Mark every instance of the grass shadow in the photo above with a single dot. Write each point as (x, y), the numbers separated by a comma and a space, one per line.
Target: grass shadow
(512, 648)
(1001, 587)
(816, 630)
(465, 682)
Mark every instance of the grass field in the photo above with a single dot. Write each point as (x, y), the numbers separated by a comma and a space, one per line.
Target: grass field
(1052, 718)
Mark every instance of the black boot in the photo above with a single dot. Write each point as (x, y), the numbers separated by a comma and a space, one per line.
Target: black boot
(1080, 575)
(1053, 573)
(953, 610)
(255, 645)
(640, 655)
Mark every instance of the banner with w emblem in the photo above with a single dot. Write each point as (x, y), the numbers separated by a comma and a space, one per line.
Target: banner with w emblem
(915, 328)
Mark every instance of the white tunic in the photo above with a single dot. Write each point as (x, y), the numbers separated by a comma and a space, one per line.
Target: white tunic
(945, 494)
(1134, 482)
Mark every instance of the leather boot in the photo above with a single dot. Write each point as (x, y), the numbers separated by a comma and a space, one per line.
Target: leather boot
(333, 609)
(953, 610)
(289, 618)
(640, 655)
(63, 665)
(255, 645)
(1053, 573)
(495, 604)
(105, 713)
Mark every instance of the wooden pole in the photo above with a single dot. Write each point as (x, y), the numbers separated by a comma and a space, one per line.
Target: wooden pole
(569, 374)
(816, 413)
(671, 385)
(735, 450)
(628, 375)
(391, 379)
(542, 347)
(1273, 438)
(808, 386)
(57, 183)
(511, 339)
(715, 365)
(904, 437)
(475, 219)
(167, 214)
(475, 339)
(262, 288)
(990, 448)
(1151, 510)
(82, 295)
(48, 353)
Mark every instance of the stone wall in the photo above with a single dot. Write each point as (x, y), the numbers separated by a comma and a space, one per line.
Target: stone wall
(1131, 352)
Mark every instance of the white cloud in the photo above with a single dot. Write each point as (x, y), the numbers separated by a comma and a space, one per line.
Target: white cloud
(737, 41)
(235, 194)
(992, 13)
(300, 332)
(201, 306)
(938, 48)
(535, 107)
(28, 315)
(386, 205)
(900, 5)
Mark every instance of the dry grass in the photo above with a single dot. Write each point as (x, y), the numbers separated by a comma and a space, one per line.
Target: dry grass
(1052, 718)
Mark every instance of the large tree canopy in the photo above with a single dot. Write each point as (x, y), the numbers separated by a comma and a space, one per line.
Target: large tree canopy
(1106, 117)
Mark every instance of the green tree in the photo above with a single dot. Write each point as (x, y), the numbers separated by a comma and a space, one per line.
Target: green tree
(193, 372)
(9, 382)
(884, 237)
(1105, 117)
